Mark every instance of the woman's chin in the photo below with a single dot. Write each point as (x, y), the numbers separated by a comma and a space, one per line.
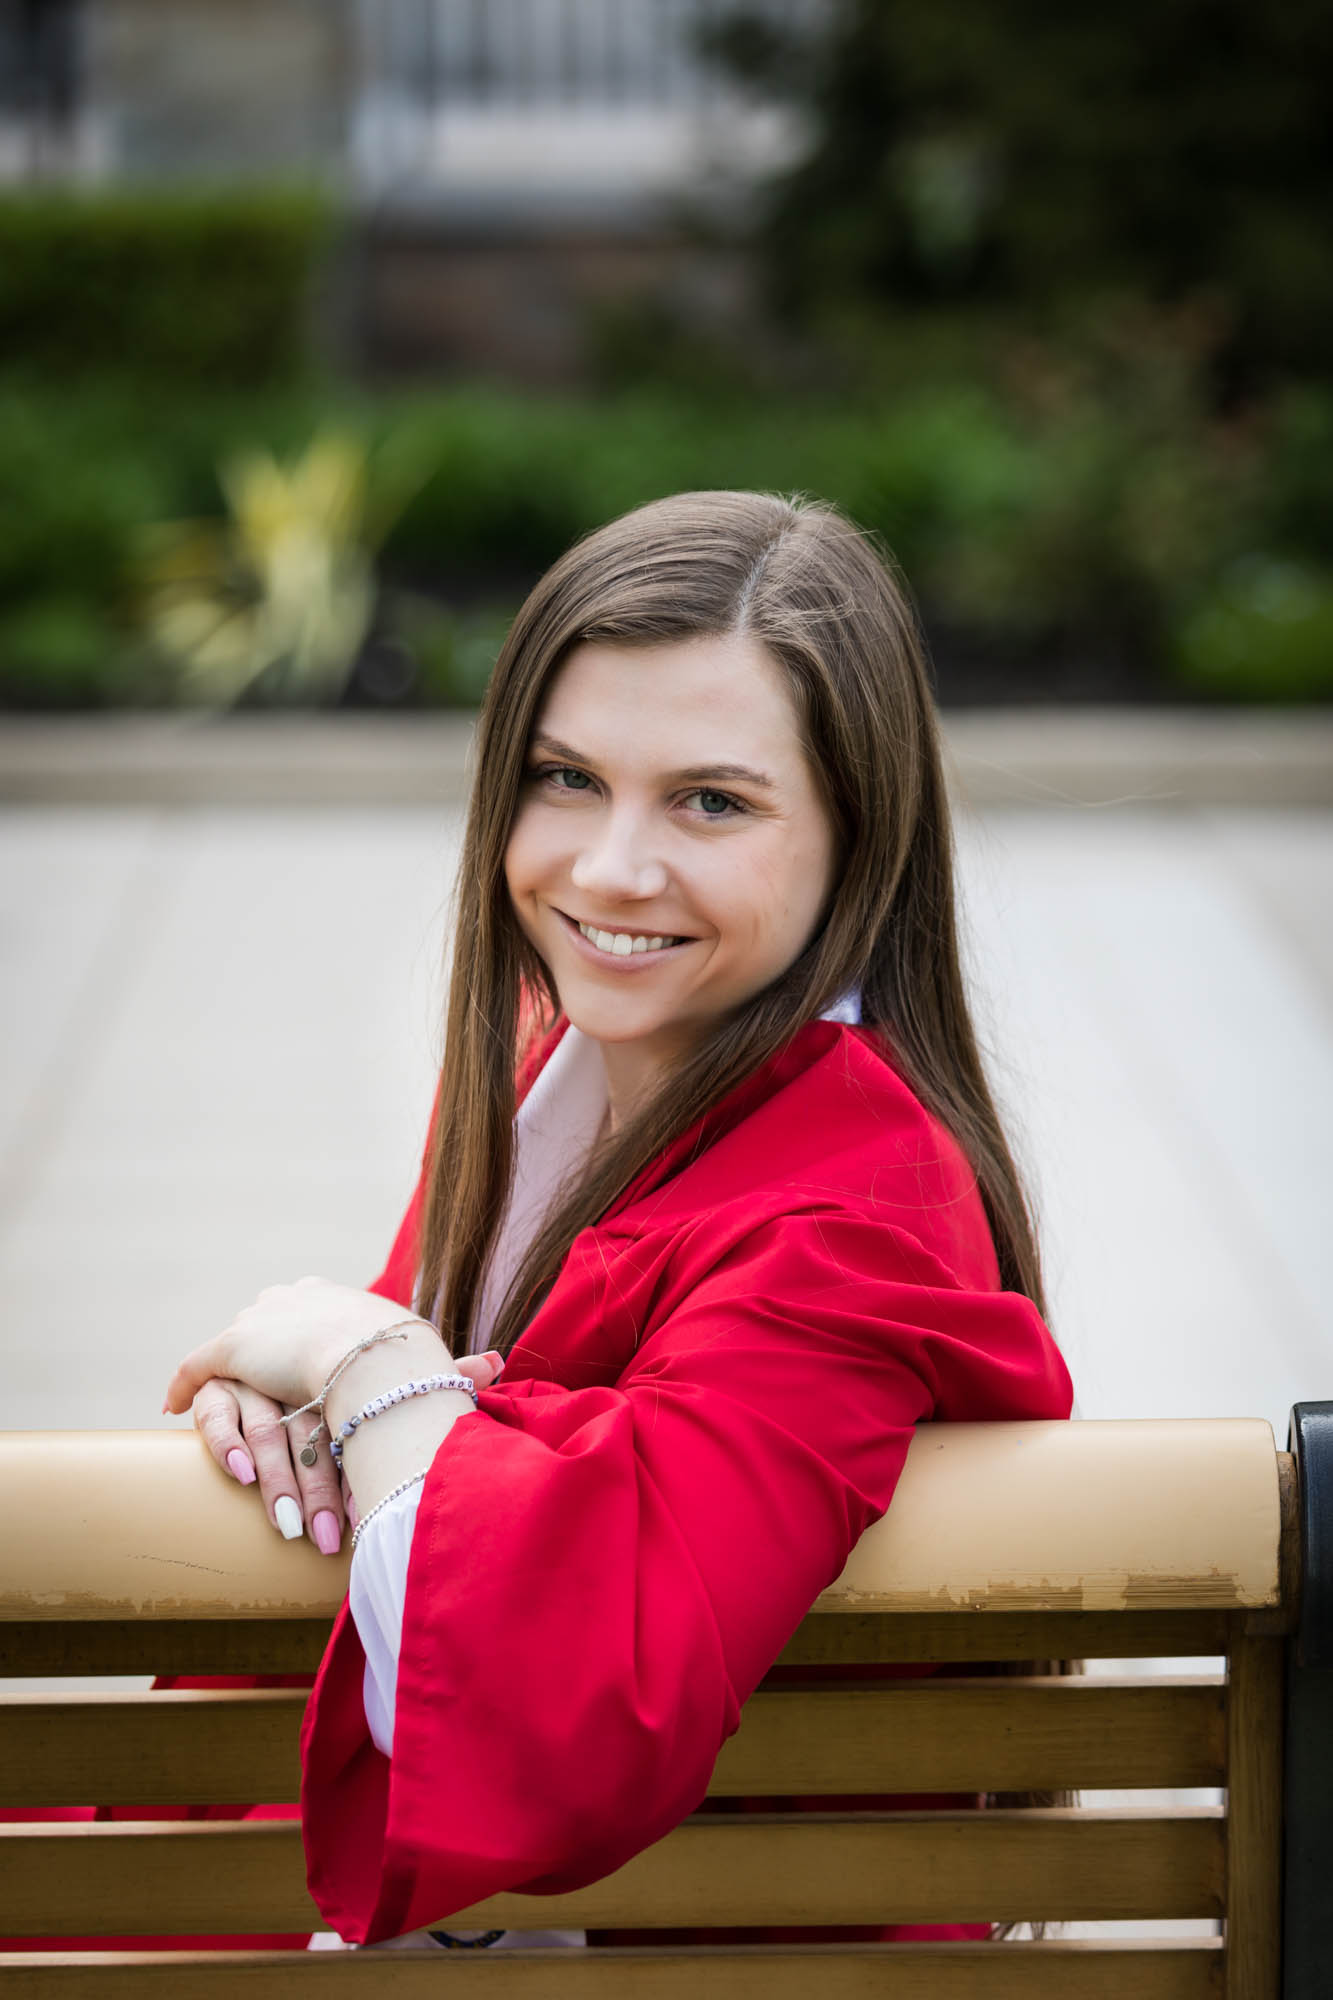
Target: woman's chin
(615, 1026)
(621, 1019)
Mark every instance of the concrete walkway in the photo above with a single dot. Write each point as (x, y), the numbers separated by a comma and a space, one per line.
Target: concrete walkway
(221, 1031)
(1029, 756)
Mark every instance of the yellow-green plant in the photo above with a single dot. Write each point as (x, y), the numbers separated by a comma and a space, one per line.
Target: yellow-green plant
(284, 586)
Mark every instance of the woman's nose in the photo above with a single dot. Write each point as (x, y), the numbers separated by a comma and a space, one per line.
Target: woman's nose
(618, 861)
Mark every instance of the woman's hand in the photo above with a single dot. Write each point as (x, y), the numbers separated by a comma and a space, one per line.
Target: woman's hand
(276, 1355)
(242, 1430)
(287, 1343)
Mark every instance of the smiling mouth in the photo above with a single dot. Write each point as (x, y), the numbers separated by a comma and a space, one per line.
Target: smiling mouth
(624, 944)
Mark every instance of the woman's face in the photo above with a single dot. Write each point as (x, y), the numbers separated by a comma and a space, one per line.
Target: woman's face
(671, 854)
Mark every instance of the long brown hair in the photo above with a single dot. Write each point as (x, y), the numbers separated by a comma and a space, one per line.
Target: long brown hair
(830, 609)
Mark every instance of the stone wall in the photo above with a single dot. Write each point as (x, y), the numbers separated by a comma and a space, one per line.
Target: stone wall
(218, 87)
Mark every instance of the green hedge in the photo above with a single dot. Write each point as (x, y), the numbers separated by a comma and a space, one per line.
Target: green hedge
(204, 287)
(1105, 527)
(1103, 523)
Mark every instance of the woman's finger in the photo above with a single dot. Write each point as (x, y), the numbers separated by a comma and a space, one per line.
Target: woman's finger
(313, 1490)
(319, 1484)
(203, 1365)
(265, 1439)
(484, 1369)
(217, 1418)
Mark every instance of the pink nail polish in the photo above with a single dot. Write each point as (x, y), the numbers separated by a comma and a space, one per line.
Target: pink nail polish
(327, 1533)
(239, 1466)
(494, 1354)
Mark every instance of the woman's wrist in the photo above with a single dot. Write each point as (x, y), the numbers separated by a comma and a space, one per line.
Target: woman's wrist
(420, 1351)
(335, 1352)
(401, 1441)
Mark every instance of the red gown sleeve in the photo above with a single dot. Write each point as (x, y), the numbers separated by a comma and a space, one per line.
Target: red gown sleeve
(600, 1577)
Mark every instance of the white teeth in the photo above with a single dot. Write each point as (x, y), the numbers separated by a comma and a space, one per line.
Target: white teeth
(620, 944)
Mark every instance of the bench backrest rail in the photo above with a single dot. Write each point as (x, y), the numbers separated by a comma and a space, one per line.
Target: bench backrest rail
(1194, 1733)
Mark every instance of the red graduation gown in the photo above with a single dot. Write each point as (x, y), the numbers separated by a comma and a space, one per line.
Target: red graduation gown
(711, 1406)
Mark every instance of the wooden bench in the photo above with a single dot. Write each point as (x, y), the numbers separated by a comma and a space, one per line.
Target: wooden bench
(128, 1553)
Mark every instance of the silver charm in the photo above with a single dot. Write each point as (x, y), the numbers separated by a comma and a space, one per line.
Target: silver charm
(308, 1454)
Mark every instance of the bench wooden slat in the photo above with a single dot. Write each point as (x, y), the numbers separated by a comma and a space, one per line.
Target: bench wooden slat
(937, 1735)
(180, 1747)
(1254, 1801)
(48, 1648)
(1055, 1970)
(1003, 1735)
(806, 1868)
(830, 1638)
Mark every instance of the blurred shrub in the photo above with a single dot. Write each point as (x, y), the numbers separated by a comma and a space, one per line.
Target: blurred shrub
(1053, 505)
(276, 600)
(1031, 152)
(1064, 490)
(451, 653)
(72, 488)
(1268, 623)
(1298, 500)
(66, 652)
(205, 287)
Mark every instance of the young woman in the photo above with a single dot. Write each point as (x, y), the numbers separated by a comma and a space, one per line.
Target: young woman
(715, 1177)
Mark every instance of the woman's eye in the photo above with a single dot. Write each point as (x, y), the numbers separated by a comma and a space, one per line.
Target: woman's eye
(714, 805)
(565, 778)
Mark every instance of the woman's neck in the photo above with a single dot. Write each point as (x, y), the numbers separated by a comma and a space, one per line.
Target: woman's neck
(633, 1073)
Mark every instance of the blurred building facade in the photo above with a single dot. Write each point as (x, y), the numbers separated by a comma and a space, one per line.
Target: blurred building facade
(512, 166)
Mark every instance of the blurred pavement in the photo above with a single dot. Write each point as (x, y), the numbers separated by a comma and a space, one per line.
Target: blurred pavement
(221, 1025)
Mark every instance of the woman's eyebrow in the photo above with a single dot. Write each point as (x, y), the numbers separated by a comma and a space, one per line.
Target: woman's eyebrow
(731, 774)
(695, 774)
(555, 748)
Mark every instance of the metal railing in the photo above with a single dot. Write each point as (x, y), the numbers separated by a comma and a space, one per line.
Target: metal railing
(41, 85)
(73, 99)
(550, 53)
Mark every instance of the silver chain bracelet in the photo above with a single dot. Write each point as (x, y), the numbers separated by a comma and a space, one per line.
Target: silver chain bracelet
(380, 1505)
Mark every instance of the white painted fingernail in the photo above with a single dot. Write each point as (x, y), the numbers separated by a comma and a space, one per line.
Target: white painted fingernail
(288, 1517)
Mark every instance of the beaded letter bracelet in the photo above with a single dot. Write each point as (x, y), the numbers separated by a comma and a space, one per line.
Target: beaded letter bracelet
(379, 1404)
